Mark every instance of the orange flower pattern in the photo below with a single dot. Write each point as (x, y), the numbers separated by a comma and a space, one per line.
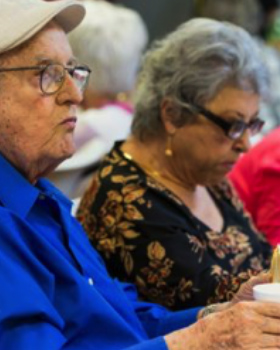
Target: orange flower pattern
(149, 237)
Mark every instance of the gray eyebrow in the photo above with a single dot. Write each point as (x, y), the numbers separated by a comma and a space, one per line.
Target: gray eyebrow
(43, 59)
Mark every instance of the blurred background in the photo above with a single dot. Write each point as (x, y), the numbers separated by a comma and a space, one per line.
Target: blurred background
(161, 16)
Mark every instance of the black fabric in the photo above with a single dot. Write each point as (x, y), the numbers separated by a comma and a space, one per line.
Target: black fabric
(149, 237)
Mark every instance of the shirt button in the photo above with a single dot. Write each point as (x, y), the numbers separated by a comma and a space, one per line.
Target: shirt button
(42, 197)
(90, 281)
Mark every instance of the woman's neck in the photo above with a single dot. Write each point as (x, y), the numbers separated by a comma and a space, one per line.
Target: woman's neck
(151, 158)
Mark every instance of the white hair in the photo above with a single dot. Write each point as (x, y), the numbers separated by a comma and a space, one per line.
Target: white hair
(111, 40)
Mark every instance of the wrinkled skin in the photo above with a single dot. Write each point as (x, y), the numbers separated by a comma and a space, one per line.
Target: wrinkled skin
(244, 326)
(246, 290)
(36, 130)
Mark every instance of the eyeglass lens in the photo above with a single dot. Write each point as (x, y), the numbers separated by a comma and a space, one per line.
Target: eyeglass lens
(80, 76)
(53, 76)
(238, 128)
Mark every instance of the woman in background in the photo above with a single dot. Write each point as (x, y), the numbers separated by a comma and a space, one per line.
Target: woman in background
(160, 210)
(111, 40)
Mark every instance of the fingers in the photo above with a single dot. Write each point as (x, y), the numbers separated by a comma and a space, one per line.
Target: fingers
(266, 308)
(246, 290)
(270, 342)
(264, 277)
(270, 325)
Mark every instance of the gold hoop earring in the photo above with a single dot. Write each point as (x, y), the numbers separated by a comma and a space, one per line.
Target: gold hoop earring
(168, 150)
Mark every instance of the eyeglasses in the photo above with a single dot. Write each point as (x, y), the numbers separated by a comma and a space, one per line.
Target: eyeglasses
(234, 130)
(52, 76)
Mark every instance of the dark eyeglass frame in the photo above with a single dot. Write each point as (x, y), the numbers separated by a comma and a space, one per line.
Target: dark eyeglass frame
(233, 130)
(42, 68)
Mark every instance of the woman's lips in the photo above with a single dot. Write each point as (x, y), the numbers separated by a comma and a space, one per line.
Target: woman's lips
(228, 165)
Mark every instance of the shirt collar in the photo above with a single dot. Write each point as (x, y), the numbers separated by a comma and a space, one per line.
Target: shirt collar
(25, 194)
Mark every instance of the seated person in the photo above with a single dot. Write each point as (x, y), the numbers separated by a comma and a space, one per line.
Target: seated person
(55, 292)
(256, 179)
(160, 210)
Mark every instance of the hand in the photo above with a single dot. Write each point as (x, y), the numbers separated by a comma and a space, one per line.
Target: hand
(245, 292)
(245, 326)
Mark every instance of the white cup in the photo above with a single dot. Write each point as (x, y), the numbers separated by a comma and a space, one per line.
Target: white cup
(267, 292)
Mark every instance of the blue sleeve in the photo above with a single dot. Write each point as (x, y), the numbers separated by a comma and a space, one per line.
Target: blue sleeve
(28, 319)
(153, 344)
(156, 319)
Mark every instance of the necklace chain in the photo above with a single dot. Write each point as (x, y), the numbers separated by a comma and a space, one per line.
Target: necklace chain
(154, 173)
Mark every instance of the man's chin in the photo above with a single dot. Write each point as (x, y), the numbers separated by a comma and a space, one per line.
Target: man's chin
(64, 157)
(68, 151)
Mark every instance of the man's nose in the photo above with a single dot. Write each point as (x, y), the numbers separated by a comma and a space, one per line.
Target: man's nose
(70, 91)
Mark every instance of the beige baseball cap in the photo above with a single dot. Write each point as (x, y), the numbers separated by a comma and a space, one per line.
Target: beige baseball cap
(22, 19)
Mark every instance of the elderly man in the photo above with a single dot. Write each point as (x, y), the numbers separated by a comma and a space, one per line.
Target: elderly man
(55, 292)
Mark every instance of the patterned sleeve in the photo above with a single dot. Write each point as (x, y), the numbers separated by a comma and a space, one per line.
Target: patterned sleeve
(228, 191)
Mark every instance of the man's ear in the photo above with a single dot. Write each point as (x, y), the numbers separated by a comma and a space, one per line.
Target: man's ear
(169, 115)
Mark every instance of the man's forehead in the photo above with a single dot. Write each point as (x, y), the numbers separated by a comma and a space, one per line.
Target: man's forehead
(40, 59)
(50, 44)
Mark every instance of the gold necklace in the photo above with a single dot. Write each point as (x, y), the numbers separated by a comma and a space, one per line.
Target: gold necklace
(143, 166)
(155, 173)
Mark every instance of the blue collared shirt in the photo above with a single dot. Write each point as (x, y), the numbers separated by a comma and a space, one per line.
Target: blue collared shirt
(55, 292)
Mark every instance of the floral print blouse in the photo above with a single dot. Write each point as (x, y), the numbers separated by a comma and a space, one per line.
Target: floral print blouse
(149, 237)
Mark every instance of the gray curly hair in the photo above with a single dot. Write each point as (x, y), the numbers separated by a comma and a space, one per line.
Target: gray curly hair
(191, 66)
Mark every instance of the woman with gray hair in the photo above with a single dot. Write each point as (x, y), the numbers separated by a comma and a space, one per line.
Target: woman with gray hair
(253, 21)
(160, 210)
(111, 40)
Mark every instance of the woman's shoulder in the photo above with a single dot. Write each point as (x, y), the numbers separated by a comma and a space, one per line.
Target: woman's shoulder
(117, 169)
(116, 175)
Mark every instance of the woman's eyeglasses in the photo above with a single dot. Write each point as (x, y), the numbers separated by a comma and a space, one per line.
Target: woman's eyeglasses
(52, 76)
(234, 130)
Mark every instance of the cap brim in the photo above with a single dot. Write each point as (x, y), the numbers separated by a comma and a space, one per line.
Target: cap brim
(70, 17)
